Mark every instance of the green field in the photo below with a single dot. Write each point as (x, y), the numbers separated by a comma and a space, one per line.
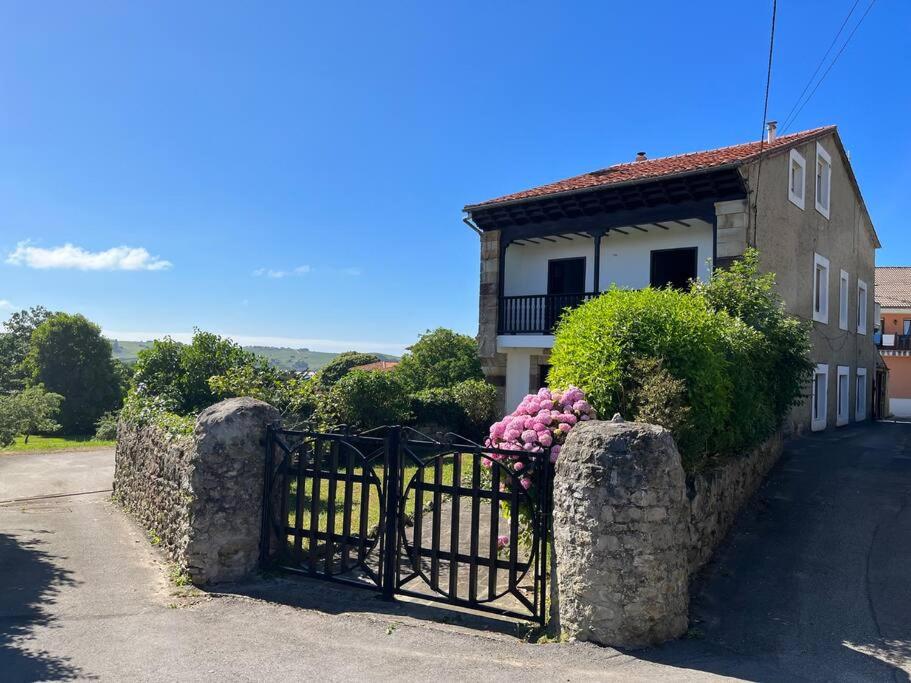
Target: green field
(281, 358)
(55, 443)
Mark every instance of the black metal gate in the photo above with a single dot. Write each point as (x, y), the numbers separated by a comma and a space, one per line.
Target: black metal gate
(401, 513)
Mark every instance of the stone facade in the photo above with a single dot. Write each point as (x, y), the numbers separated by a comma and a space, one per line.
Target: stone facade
(492, 362)
(620, 535)
(630, 529)
(201, 495)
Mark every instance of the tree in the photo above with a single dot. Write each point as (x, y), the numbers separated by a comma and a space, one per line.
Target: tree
(14, 345)
(28, 412)
(185, 378)
(441, 358)
(365, 399)
(68, 355)
(37, 409)
(339, 366)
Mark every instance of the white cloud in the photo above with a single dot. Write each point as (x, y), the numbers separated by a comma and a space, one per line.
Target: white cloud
(304, 270)
(71, 256)
(332, 345)
(5, 304)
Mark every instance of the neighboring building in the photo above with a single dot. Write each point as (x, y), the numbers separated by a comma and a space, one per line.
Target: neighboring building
(893, 298)
(664, 221)
(378, 366)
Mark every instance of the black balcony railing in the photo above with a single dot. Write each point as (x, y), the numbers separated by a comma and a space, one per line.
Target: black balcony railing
(900, 342)
(536, 313)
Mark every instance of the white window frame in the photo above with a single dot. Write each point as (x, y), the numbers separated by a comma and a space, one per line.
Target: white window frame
(843, 289)
(823, 155)
(863, 296)
(819, 418)
(797, 158)
(860, 395)
(821, 315)
(842, 395)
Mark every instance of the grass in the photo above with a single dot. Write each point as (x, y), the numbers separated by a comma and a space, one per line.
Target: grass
(55, 443)
(373, 506)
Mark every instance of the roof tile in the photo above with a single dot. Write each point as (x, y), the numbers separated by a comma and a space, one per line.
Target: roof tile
(664, 166)
(892, 286)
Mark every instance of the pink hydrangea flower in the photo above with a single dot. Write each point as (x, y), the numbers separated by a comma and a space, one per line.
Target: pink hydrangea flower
(518, 466)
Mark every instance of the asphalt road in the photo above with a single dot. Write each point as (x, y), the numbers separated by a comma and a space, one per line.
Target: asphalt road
(812, 585)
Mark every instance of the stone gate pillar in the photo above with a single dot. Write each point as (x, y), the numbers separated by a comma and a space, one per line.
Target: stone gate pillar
(621, 534)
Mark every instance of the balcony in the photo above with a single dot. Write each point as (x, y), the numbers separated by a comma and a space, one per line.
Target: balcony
(536, 313)
(894, 342)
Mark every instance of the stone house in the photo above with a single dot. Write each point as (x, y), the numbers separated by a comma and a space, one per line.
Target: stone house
(664, 221)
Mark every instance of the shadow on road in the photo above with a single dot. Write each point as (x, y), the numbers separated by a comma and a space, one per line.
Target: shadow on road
(30, 582)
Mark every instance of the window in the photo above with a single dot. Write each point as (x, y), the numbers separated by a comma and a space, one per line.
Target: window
(906, 326)
(797, 178)
(673, 267)
(820, 289)
(543, 374)
(843, 301)
(861, 307)
(843, 405)
(860, 395)
(820, 397)
(823, 180)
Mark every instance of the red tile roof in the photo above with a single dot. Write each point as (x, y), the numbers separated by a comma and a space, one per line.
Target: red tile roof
(664, 166)
(378, 366)
(892, 286)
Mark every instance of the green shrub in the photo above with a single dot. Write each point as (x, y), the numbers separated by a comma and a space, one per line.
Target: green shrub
(365, 399)
(477, 400)
(719, 365)
(437, 407)
(784, 366)
(106, 427)
(596, 344)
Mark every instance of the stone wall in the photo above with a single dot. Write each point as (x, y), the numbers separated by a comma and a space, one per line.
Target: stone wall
(492, 362)
(630, 529)
(716, 496)
(201, 495)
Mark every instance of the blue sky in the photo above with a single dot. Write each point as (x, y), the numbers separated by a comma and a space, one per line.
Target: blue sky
(294, 173)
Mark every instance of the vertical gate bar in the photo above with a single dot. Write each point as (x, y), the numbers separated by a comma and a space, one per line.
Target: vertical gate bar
(513, 529)
(454, 535)
(315, 495)
(362, 530)
(299, 503)
(494, 528)
(392, 457)
(435, 533)
(475, 527)
(283, 501)
(419, 479)
(265, 534)
(546, 498)
(330, 506)
(349, 504)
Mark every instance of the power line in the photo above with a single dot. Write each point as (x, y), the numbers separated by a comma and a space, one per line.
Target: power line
(826, 72)
(765, 114)
(819, 66)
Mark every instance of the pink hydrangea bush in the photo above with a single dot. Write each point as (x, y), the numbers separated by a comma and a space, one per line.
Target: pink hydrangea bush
(540, 421)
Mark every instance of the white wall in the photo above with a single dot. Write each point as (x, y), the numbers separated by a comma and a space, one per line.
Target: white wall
(625, 259)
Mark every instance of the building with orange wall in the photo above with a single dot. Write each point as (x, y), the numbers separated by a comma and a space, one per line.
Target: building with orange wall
(893, 297)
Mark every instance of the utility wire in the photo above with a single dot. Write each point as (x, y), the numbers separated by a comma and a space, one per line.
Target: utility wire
(765, 114)
(826, 72)
(819, 66)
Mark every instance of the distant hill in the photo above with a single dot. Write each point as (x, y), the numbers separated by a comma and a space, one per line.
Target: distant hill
(282, 358)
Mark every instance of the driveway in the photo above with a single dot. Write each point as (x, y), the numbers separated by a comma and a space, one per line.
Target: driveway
(811, 585)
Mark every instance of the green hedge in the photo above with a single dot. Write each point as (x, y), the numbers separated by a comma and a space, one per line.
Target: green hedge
(733, 361)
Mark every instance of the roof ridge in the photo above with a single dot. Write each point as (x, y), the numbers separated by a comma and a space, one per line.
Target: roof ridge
(717, 149)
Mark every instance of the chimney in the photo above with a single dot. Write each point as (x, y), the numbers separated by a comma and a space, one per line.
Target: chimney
(773, 127)
(640, 156)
